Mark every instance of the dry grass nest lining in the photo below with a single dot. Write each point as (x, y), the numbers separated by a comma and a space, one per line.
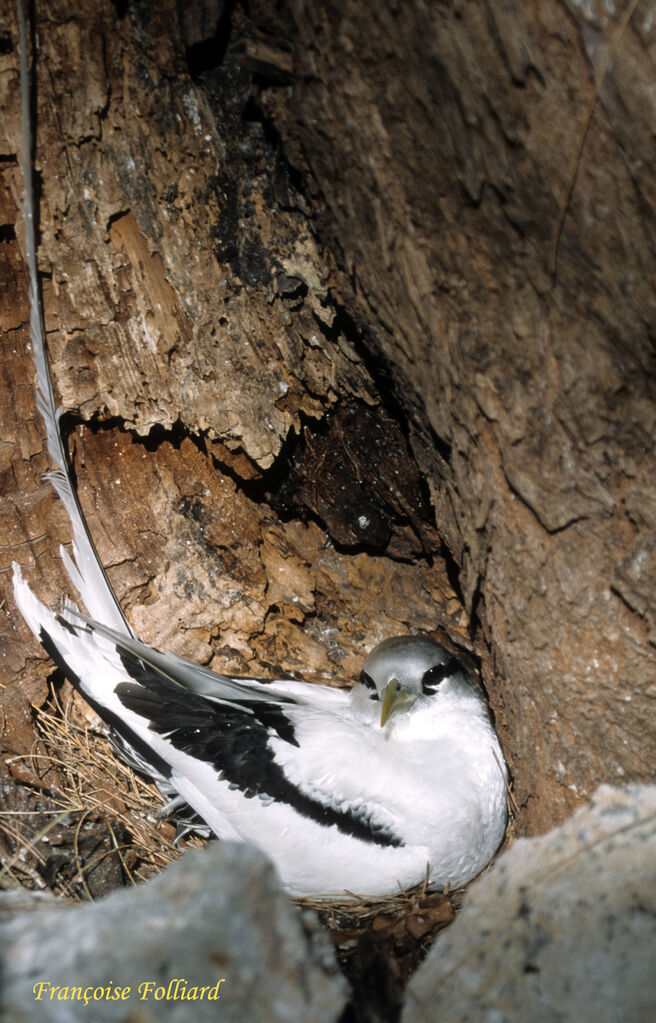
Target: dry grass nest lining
(93, 786)
(87, 807)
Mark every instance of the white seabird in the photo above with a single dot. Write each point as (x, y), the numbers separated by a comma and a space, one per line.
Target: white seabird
(358, 791)
(346, 791)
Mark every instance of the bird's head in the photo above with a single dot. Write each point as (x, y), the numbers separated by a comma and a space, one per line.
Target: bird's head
(403, 671)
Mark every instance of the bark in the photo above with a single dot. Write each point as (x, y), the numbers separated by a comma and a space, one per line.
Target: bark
(243, 336)
(442, 142)
(225, 426)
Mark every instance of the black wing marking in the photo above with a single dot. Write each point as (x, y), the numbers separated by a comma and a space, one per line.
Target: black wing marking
(236, 744)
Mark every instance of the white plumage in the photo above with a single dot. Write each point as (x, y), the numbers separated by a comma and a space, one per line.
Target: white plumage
(346, 791)
(339, 801)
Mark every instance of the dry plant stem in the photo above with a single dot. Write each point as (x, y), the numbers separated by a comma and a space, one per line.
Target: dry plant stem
(576, 162)
(511, 798)
(27, 844)
(76, 852)
(90, 770)
(119, 852)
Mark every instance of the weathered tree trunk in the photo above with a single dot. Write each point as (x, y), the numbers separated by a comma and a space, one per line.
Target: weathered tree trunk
(223, 411)
(442, 140)
(248, 384)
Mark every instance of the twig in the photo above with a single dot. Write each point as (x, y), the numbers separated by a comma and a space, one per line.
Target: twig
(511, 798)
(574, 166)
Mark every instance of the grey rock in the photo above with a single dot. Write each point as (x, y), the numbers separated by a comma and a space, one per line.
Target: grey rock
(14, 903)
(562, 928)
(217, 913)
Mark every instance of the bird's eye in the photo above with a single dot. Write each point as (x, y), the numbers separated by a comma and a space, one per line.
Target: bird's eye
(366, 680)
(437, 674)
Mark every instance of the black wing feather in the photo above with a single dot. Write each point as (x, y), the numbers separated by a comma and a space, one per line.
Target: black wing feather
(235, 743)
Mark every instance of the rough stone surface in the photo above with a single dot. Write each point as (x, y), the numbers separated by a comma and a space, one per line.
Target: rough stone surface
(562, 928)
(217, 913)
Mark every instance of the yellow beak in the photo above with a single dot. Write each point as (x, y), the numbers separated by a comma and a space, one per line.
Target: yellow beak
(394, 698)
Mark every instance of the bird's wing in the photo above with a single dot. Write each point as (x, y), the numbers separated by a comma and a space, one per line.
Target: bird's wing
(242, 737)
(277, 751)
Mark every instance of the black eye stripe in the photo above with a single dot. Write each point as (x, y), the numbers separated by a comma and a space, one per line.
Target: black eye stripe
(437, 674)
(367, 680)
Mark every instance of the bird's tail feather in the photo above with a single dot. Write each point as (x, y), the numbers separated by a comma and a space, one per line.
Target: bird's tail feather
(84, 568)
(92, 665)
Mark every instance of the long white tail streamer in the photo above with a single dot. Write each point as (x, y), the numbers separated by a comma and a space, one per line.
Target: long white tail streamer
(85, 568)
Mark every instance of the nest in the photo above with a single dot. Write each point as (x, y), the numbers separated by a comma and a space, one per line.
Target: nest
(81, 823)
(387, 936)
